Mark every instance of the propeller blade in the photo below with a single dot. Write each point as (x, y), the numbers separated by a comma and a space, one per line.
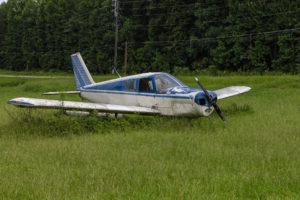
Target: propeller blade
(218, 110)
(204, 90)
(211, 101)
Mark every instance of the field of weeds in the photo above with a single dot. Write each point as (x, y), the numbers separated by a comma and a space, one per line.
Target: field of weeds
(47, 155)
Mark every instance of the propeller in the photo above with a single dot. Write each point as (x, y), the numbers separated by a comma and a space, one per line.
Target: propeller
(211, 100)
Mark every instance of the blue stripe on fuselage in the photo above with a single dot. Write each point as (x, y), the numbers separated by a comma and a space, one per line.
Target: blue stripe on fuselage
(136, 94)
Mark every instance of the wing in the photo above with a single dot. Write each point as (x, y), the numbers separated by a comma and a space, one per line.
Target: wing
(231, 91)
(67, 92)
(56, 104)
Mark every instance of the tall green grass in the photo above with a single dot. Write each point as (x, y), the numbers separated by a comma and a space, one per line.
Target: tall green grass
(47, 155)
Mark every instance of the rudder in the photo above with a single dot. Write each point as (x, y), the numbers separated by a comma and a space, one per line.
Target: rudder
(81, 73)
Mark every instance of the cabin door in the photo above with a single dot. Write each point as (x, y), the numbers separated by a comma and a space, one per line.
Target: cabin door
(146, 93)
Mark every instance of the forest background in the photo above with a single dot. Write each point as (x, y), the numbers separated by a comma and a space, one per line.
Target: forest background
(176, 36)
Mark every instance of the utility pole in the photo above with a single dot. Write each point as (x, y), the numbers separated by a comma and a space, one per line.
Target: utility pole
(125, 58)
(116, 10)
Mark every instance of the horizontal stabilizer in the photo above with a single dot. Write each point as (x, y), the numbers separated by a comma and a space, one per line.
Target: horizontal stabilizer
(231, 91)
(67, 92)
(69, 105)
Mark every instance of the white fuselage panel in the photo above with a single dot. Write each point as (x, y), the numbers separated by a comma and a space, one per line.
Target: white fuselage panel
(167, 104)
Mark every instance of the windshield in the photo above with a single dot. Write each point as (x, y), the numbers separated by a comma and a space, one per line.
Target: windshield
(166, 81)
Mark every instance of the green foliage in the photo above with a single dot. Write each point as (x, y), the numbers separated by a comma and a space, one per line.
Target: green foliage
(160, 63)
(181, 71)
(257, 56)
(13, 83)
(287, 53)
(229, 35)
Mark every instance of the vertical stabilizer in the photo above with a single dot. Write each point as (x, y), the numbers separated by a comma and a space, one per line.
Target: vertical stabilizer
(81, 73)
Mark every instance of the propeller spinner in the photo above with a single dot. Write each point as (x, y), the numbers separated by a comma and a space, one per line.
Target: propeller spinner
(211, 100)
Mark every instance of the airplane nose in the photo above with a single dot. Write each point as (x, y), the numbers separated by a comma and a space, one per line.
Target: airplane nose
(201, 99)
(203, 106)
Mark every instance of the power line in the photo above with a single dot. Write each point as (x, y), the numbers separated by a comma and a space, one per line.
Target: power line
(102, 47)
(218, 38)
(160, 7)
(157, 14)
(195, 5)
(145, 27)
(212, 21)
(146, 1)
(142, 1)
(109, 27)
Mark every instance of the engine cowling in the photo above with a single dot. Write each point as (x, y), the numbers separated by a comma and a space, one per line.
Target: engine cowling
(201, 99)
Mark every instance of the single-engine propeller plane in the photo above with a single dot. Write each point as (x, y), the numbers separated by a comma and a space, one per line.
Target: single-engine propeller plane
(148, 93)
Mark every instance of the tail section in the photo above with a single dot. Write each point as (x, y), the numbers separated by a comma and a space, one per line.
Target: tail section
(81, 73)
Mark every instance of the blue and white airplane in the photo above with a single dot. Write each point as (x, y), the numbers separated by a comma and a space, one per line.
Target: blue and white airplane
(148, 93)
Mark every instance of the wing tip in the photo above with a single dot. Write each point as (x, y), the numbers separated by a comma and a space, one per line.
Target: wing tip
(246, 88)
(20, 101)
(231, 91)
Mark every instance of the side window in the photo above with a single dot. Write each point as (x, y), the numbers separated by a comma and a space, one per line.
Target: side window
(146, 85)
(130, 85)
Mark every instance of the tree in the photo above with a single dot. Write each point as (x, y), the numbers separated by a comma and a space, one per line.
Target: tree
(230, 35)
(3, 33)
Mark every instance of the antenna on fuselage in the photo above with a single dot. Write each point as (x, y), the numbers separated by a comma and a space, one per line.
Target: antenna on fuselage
(115, 71)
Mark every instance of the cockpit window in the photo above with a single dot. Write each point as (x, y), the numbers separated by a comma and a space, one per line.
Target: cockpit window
(166, 81)
(145, 85)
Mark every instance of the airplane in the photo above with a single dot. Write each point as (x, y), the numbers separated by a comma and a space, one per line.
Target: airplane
(154, 93)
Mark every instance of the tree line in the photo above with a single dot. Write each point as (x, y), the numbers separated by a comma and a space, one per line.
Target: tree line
(170, 35)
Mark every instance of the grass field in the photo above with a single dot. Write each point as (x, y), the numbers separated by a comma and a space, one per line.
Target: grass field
(256, 155)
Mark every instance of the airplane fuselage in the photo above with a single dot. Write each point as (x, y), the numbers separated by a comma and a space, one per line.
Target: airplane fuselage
(175, 101)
